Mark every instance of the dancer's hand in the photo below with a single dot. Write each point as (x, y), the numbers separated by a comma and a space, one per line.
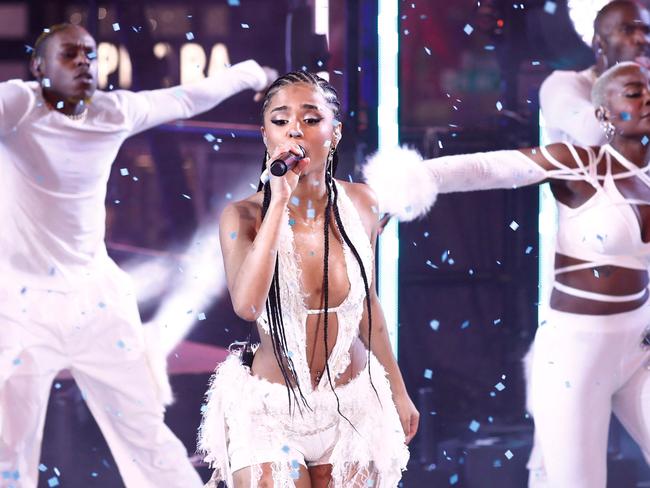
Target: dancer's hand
(283, 186)
(271, 76)
(408, 415)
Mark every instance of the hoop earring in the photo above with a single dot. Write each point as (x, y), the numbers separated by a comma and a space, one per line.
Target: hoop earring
(609, 130)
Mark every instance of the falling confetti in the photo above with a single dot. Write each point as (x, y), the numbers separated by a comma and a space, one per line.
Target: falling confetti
(468, 29)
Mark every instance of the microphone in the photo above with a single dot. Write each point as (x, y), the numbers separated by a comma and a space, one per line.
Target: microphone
(283, 163)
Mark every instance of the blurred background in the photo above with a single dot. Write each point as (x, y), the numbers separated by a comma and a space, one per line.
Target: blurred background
(468, 78)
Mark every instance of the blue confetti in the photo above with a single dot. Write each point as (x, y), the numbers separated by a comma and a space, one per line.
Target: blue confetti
(59, 104)
(201, 316)
(434, 324)
(17, 361)
(428, 51)
(550, 7)
(295, 201)
(116, 26)
(233, 235)
(468, 29)
(124, 171)
(233, 3)
(285, 449)
(499, 106)
(292, 222)
(645, 140)
(245, 26)
(54, 481)
(474, 426)
(453, 479)
(428, 374)
(464, 325)
(189, 36)
(500, 386)
(42, 468)
(509, 455)
(186, 196)
(209, 137)
(311, 213)
(496, 321)
(121, 344)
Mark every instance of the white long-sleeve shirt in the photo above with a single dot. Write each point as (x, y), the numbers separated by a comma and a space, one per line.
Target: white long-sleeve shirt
(54, 169)
(569, 115)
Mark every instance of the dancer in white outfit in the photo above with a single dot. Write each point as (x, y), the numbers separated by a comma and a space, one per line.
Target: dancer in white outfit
(620, 34)
(590, 353)
(323, 403)
(63, 301)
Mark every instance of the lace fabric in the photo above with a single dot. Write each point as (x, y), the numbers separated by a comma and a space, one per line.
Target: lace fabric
(245, 410)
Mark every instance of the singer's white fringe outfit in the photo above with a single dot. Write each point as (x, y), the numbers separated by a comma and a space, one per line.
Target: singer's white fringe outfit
(247, 421)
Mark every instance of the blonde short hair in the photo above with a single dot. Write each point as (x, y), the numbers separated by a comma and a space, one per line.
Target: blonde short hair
(599, 90)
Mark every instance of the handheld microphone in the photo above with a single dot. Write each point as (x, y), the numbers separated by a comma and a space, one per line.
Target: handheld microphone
(283, 163)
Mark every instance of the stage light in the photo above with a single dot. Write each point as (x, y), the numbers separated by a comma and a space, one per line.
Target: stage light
(388, 136)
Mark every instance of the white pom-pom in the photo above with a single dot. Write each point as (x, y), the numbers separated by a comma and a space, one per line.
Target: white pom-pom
(404, 186)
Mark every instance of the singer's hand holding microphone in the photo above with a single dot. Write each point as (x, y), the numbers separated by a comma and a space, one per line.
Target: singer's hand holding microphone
(287, 161)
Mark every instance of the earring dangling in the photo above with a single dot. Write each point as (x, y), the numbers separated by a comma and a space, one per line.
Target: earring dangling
(609, 130)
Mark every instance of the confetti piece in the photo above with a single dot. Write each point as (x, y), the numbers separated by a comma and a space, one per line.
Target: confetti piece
(228, 196)
(52, 482)
(428, 374)
(453, 479)
(28, 48)
(499, 106)
(92, 55)
(500, 386)
(17, 362)
(186, 196)
(464, 325)
(57, 386)
(233, 3)
(116, 26)
(94, 474)
(428, 51)
(468, 29)
(292, 222)
(59, 104)
(311, 213)
(497, 322)
(474, 426)
(120, 344)
(285, 449)
(245, 26)
(489, 47)
(295, 201)
(434, 324)
(189, 36)
(42, 468)
(645, 140)
(209, 137)
(201, 316)
(625, 116)
(233, 235)
(550, 7)
(124, 171)
(514, 225)
(529, 249)
(56, 471)
(508, 454)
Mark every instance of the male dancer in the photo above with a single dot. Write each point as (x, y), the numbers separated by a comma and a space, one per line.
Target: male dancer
(63, 302)
(621, 33)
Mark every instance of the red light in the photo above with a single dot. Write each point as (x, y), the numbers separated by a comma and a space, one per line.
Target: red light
(500, 23)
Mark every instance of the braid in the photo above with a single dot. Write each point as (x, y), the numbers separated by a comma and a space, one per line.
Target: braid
(276, 324)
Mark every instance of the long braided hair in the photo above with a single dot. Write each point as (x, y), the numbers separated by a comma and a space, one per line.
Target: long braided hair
(273, 303)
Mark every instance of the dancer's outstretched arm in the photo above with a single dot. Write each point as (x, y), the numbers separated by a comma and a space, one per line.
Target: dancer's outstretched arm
(407, 186)
(146, 109)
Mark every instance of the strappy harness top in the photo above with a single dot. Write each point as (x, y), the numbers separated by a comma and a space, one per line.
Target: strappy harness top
(605, 230)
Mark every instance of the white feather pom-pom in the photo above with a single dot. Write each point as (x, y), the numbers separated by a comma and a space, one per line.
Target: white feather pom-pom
(404, 185)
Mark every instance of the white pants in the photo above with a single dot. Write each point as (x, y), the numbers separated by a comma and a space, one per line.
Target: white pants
(586, 367)
(96, 333)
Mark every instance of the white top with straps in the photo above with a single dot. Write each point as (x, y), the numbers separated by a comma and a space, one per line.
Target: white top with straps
(605, 230)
